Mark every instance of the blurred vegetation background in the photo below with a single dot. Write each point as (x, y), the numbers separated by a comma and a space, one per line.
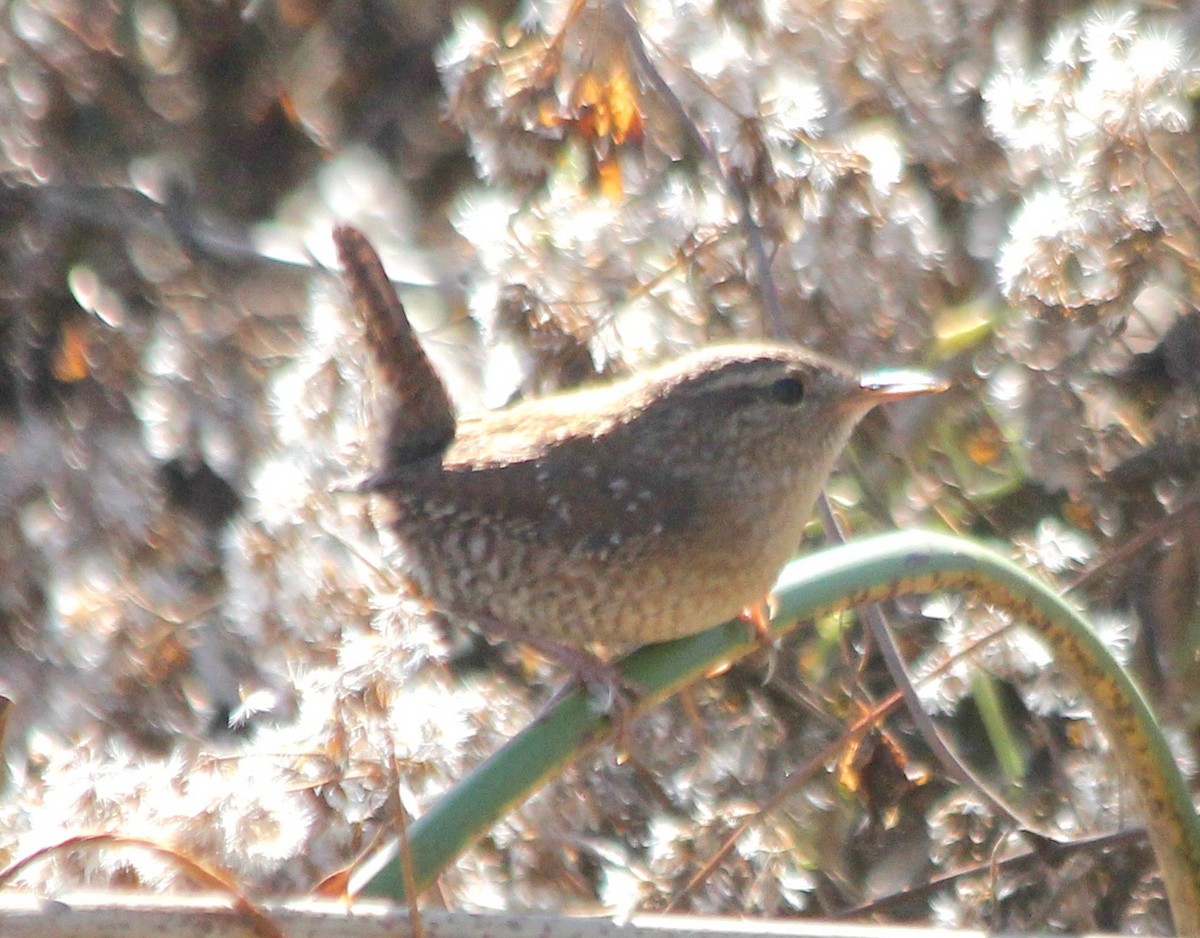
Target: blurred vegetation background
(207, 640)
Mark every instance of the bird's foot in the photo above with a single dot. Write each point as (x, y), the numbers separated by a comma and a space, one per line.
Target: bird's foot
(613, 692)
(757, 617)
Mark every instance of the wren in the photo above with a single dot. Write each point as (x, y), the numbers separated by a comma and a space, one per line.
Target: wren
(634, 512)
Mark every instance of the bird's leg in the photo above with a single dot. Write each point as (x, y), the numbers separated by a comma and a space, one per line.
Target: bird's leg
(758, 621)
(758, 617)
(612, 689)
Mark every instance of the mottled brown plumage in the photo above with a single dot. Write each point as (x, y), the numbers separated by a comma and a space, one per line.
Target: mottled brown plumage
(638, 511)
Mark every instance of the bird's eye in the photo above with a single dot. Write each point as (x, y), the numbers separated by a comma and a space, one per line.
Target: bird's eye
(789, 390)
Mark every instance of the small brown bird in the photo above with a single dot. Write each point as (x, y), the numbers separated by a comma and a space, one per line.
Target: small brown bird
(639, 511)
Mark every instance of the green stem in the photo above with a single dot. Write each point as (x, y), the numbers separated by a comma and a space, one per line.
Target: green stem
(996, 725)
(834, 579)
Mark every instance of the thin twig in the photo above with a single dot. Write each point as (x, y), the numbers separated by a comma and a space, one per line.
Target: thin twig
(1135, 545)
(881, 632)
(733, 184)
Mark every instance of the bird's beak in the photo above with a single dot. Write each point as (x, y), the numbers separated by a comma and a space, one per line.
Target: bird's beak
(881, 387)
